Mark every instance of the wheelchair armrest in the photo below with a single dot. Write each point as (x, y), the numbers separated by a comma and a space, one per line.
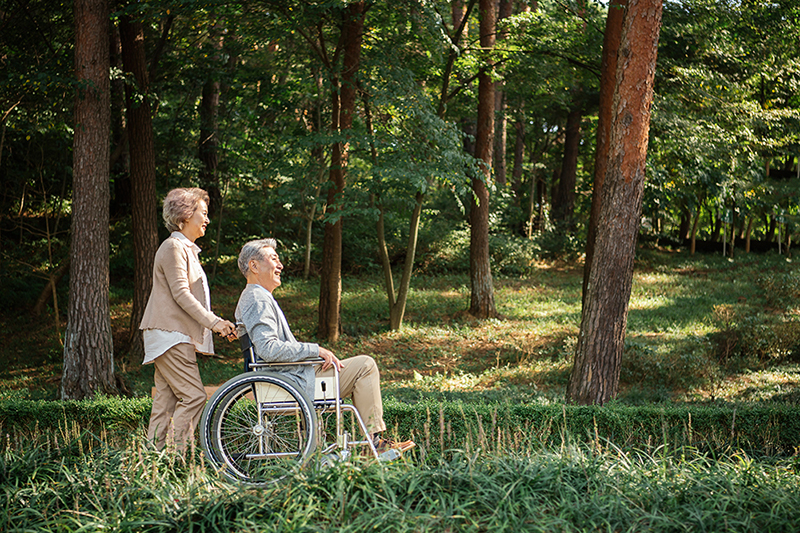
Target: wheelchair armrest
(251, 361)
(314, 361)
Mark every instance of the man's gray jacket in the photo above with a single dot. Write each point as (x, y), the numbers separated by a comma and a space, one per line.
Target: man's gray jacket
(260, 316)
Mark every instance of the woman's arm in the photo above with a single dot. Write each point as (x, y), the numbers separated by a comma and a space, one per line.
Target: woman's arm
(175, 265)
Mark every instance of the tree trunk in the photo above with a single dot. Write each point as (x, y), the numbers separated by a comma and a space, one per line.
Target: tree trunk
(88, 346)
(519, 156)
(771, 225)
(685, 223)
(343, 108)
(608, 82)
(695, 224)
(144, 204)
(716, 225)
(208, 142)
(747, 234)
(54, 279)
(120, 163)
(482, 293)
(459, 13)
(318, 155)
(501, 136)
(397, 305)
(565, 194)
(595, 374)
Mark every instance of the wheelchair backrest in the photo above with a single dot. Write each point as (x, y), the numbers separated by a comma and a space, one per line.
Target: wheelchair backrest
(248, 352)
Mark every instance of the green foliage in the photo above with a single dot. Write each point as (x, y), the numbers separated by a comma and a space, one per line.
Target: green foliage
(116, 415)
(493, 427)
(547, 489)
(781, 288)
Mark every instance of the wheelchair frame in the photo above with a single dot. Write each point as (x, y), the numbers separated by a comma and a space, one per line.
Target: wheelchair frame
(260, 422)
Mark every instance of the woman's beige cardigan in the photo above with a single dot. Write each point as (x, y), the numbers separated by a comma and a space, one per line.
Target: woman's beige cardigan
(177, 301)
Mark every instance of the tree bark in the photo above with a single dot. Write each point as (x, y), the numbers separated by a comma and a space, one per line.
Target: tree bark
(88, 346)
(693, 237)
(519, 156)
(144, 204)
(397, 303)
(595, 375)
(343, 108)
(208, 143)
(482, 289)
(501, 135)
(565, 193)
(120, 163)
(748, 233)
(318, 155)
(608, 77)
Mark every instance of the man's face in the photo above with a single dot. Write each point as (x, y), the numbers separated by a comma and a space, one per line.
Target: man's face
(267, 270)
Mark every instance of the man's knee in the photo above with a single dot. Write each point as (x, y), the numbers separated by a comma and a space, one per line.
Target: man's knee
(367, 363)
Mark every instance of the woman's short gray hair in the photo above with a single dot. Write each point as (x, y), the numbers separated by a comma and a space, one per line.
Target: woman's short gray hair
(180, 205)
(254, 250)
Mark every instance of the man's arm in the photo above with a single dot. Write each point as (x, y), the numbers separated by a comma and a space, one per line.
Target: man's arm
(271, 339)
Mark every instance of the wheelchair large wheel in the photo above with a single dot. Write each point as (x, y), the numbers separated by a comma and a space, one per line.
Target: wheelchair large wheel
(257, 426)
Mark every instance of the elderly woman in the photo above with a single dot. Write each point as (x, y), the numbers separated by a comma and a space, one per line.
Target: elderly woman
(178, 320)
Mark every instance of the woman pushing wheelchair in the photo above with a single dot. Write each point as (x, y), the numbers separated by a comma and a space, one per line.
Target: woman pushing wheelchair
(178, 321)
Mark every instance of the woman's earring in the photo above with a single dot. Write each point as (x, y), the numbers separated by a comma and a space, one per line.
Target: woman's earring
(180, 226)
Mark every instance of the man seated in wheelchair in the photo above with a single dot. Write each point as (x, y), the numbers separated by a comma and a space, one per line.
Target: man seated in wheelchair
(260, 317)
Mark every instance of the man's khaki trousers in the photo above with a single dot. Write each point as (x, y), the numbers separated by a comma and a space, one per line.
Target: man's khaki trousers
(361, 380)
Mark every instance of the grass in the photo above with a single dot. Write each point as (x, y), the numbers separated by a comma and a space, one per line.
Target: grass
(675, 328)
(53, 486)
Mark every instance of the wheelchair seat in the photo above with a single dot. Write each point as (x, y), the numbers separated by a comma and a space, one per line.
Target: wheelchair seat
(323, 386)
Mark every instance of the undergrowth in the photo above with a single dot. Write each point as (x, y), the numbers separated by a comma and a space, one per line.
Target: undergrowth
(566, 488)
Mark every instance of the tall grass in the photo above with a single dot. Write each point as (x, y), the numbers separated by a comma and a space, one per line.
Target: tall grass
(568, 488)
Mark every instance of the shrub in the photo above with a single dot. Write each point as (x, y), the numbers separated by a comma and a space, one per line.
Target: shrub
(440, 427)
(769, 339)
(782, 289)
(754, 340)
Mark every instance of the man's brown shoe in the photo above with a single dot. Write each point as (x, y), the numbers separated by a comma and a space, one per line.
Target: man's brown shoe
(383, 445)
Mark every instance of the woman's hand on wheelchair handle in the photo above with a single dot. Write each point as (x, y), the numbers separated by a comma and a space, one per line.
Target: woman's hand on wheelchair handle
(225, 329)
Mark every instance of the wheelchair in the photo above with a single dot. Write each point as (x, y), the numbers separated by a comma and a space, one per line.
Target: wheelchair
(261, 424)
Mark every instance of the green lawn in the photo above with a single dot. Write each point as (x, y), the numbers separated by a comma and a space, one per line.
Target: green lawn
(700, 327)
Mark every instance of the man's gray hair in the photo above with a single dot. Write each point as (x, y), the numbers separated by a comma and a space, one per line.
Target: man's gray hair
(254, 250)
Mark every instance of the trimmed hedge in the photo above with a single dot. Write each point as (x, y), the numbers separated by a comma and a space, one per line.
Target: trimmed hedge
(760, 429)
(114, 416)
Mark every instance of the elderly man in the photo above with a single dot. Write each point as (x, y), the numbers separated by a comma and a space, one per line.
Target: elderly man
(260, 316)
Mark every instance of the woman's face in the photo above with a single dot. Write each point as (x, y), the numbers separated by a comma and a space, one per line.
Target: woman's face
(194, 227)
